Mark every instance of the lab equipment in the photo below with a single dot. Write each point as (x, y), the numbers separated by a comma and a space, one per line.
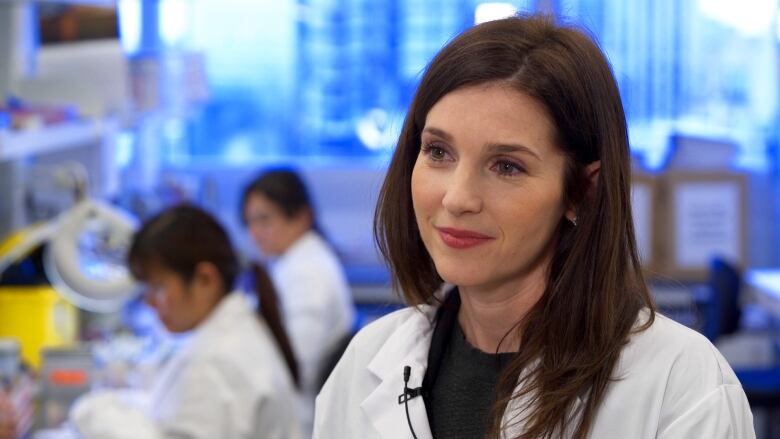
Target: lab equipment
(83, 254)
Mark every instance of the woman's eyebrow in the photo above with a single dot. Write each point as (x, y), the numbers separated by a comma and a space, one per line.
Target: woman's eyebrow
(439, 133)
(505, 148)
(500, 148)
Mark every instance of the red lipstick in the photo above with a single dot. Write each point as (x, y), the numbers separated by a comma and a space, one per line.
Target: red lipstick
(461, 239)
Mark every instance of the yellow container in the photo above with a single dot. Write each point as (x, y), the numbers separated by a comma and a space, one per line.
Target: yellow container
(38, 317)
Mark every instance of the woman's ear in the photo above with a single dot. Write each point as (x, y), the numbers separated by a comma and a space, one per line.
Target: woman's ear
(591, 172)
(304, 219)
(206, 274)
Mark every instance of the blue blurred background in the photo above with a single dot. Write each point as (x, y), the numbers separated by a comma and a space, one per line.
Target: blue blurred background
(334, 78)
(325, 85)
(188, 99)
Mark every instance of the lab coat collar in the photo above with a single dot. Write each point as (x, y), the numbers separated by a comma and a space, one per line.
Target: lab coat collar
(300, 247)
(231, 308)
(410, 342)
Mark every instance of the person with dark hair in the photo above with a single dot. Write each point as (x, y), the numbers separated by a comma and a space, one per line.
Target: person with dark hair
(314, 294)
(505, 217)
(235, 377)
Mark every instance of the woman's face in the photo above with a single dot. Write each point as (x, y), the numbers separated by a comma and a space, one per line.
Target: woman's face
(180, 305)
(272, 231)
(487, 188)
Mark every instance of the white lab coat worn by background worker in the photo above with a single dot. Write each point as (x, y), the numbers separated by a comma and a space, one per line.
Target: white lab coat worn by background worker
(228, 382)
(671, 384)
(317, 308)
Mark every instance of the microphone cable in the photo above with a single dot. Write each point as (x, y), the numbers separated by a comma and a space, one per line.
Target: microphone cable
(407, 395)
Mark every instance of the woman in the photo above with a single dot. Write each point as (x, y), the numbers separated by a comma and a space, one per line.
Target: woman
(510, 184)
(315, 297)
(234, 379)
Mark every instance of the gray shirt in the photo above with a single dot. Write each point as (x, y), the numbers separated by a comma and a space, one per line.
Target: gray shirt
(464, 391)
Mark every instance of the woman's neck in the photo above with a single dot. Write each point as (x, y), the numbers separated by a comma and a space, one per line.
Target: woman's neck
(489, 316)
(297, 232)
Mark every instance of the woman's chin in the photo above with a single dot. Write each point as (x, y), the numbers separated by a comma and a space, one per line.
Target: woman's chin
(461, 277)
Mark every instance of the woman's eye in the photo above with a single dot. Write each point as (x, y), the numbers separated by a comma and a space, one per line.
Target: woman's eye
(436, 153)
(505, 167)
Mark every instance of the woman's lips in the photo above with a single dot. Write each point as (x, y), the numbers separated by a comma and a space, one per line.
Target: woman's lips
(461, 239)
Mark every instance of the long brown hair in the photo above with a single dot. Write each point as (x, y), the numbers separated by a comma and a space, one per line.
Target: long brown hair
(595, 288)
(181, 237)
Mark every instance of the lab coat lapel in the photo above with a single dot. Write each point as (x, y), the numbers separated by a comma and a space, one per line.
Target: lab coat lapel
(408, 346)
(518, 410)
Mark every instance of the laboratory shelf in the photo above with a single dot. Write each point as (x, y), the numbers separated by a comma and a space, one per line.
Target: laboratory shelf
(21, 144)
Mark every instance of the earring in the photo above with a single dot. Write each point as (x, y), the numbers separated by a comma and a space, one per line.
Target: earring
(574, 221)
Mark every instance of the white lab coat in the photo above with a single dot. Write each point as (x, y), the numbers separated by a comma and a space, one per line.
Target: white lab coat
(673, 385)
(317, 309)
(229, 382)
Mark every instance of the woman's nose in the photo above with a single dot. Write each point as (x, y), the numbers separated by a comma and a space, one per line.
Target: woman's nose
(462, 193)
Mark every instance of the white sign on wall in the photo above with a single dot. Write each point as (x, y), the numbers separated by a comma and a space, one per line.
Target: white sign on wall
(707, 221)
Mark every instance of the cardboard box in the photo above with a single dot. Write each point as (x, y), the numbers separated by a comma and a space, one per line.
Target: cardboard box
(701, 215)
